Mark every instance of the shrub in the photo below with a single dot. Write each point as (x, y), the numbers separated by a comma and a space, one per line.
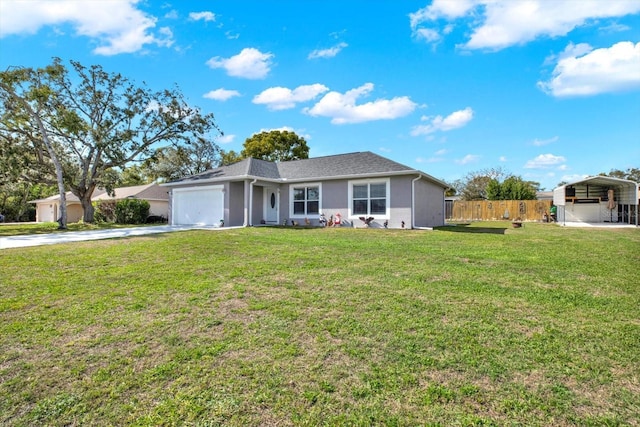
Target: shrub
(132, 211)
(105, 210)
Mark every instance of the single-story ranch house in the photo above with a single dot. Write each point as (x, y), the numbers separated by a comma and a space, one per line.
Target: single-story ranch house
(597, 200)
(345, 186)
(47, 210)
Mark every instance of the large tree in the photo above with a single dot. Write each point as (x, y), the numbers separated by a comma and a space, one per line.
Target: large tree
(97, 121)
(275, 146)
(512, 188)
(474, 186)
(631, 174)
(229, 157)
(26, 101)
(171, 163)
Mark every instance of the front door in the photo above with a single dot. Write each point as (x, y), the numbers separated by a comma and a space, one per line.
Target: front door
(271, 205)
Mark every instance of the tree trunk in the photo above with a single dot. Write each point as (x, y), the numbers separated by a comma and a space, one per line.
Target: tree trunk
(87, 208)
(23, 203)
(62, 221)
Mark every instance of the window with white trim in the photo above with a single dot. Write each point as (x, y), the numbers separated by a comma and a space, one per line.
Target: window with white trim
(305, 200)
(370, 198)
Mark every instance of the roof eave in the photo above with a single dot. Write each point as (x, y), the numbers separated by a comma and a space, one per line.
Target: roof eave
(219, 180)
(307, 179)
(370, 175)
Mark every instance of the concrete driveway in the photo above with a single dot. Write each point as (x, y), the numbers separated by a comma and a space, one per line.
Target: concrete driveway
(81, 236)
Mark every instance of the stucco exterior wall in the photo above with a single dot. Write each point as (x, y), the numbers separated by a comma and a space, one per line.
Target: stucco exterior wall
(429, 204)
(257, 215)
(234, 204)
(335, 199)
(159, 208)
(50, 212)
(400, 202)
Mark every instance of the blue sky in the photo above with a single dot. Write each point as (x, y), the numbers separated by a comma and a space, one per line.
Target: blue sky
(545, 89)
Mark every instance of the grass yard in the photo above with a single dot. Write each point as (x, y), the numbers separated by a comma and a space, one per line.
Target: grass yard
(12, 229)
(479, 325)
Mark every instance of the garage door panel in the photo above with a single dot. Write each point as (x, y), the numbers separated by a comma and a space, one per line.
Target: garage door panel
(201, 206)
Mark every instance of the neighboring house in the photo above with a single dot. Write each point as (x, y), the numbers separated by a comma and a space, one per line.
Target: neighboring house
(544, 195)
(48, 210)
(157, 196)
(363, 184)
(597, 199)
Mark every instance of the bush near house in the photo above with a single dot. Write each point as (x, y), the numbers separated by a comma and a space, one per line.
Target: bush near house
(105, 210)
(132, 211)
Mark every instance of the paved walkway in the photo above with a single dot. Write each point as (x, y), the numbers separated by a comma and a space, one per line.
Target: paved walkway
(597, 224)
(81, 236)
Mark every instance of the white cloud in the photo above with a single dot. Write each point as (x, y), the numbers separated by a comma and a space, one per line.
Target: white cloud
(203, 16)
(497, 24)
(282, 98)
(502, 159)
(544, 161)
(469, 158)
(299, 132)
(441, 9)
(596, 71)
(250, 63)
(226, 139)
(573, 177)
(540, 142)
(429, 160)
(172, 14)
(327, 53)
(121, 29)
(614, 27)
(428, 34)
(343, 107)
(455, 120)
(221, 94)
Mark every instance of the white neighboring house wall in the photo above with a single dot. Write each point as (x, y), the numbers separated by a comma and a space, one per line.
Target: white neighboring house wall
(48, 210)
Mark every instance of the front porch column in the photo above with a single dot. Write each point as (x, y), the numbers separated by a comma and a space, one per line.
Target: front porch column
(247, 202)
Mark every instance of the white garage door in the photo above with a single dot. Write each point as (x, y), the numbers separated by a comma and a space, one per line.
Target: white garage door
(201, 205)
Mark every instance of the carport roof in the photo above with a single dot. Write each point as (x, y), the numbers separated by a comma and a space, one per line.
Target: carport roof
(627, 191)
(601, 180)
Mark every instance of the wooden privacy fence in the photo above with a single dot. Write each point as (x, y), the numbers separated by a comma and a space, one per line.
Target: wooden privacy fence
(493, 210)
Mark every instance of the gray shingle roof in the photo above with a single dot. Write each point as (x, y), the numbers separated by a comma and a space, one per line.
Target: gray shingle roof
(361, 163)
(340, 165)
(239, 169)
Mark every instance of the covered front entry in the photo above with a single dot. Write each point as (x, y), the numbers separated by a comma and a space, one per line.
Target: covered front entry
(271, 203)
(197, 205)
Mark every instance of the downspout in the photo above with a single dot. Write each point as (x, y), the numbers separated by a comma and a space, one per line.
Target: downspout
(251, 202)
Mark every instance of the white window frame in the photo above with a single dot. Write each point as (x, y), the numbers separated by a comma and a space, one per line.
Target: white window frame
(304, 185)
(368, 182)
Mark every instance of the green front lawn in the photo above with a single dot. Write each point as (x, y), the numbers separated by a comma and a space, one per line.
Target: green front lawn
(468, 325)
(13, 229)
